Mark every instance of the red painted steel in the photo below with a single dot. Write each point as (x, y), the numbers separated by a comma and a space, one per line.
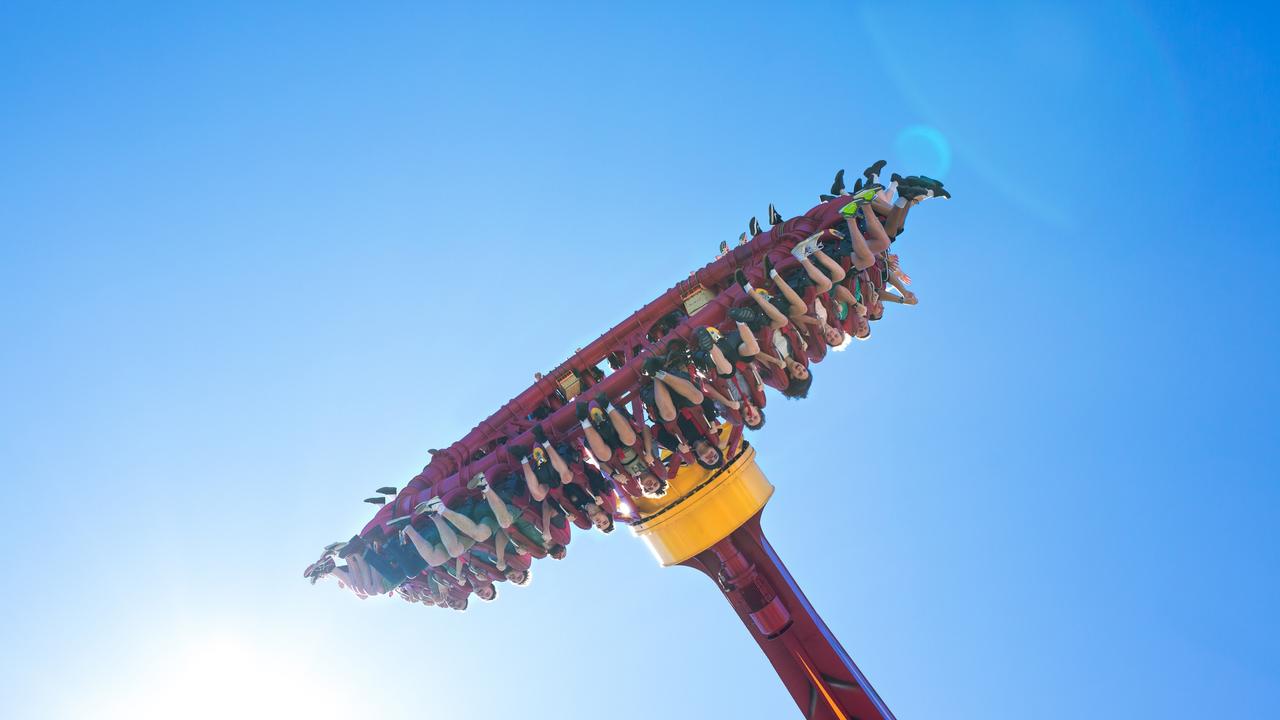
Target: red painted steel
(819, 674)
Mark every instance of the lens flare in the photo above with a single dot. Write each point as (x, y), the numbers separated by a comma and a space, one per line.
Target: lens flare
(924, 149)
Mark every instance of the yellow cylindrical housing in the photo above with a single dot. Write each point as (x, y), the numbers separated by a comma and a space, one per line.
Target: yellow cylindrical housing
(702, 507)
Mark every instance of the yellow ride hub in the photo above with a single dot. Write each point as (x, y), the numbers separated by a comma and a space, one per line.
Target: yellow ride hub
(701, 508)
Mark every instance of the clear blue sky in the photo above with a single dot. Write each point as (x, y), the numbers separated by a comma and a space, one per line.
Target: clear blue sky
(255, 260)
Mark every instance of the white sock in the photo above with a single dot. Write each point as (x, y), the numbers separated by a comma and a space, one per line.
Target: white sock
(901, 202)
(585, 424)
(748, 288)
(893, 187)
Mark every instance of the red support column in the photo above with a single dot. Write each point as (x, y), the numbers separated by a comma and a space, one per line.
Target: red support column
(817, 671)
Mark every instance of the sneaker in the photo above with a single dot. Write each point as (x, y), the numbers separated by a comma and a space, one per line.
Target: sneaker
(742, 239)
(399, 523)
(379, 500)
(539, 434)
(703, 337)
(745, 315)
(868, 193)
(942, 193)
(857, 185)
(872, 173)
(581, 410)
(774, 217)
(724, 248)
(852, 208)
(813, 243)
(519, 452)
(912, 192)
(768, 266)
(650, 366)
(935, 184)
(740, 278)
(837, 187)
(386, 490)
(603, 401)
(477, 481)
(753, 227)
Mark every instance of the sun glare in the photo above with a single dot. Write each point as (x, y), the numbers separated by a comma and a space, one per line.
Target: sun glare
(222, 676)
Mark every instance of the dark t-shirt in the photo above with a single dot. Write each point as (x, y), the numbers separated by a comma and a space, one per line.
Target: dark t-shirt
(576, 495)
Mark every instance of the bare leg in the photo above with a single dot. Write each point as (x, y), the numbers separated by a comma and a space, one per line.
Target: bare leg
(898, 218)
(879, 240)
(822, 281)
(833, 267)
(723, 366)
(626, 433)
(687, 390)
(344, 578)
(558, 463)
(795, 304)
(662, 398)
(435, 555)
(595, 441)
(448, 536)
(862, 256)
(536, 489)
(776, 318)
(469, 527)
(749, 347)
(500, 549)
(499, 507)
(546, 524)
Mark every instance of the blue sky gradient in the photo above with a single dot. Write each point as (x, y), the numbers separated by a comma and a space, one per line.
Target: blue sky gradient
(255, 260)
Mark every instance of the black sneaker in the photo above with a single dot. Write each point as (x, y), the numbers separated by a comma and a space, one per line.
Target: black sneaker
(519, 452)
(742, 239)
(386, 490)
(837, 187)
(745, 315)
(379, 500)
(768, 267)
(857, 185)
(602, 401)
(539, 434)
(942, 193)
(650, 366)
(740, 278)
(936, 184)
(399, 523)
(704, 339)
(827, 198)
(899, 179)
(911, 192)
(583, 412)
(753, 227)
(873, 171)
(774, 217)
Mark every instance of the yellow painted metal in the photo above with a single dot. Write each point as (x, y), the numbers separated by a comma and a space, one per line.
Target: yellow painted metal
(702, 507)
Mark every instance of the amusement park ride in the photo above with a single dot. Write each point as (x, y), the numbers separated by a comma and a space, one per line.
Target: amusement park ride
(709, 518)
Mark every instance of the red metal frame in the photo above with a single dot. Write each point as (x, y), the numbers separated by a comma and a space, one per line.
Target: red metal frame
(819, 674)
